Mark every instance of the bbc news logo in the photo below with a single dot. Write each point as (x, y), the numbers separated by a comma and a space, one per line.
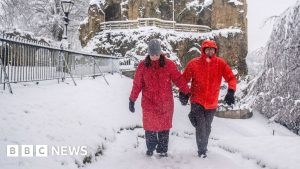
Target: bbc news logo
(44, 150)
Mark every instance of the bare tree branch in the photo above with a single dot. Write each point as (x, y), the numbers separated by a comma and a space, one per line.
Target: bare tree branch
(269, 20)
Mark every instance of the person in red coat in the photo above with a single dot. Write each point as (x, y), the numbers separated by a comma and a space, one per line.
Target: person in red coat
(154, 77)
(205, 73)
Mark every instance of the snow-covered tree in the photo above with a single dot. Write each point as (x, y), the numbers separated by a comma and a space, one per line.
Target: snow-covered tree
(277, 90)
(41, 17)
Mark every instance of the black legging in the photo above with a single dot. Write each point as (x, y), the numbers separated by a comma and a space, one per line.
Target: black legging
(158, 140)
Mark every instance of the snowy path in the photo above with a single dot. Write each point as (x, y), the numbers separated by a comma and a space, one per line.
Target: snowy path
(128, 151)
(96, 115)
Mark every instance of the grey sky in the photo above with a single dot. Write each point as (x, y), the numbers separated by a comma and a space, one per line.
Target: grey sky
(258, 10)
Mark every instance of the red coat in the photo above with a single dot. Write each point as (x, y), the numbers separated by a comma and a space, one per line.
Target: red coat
(157, 96)
(206, 77)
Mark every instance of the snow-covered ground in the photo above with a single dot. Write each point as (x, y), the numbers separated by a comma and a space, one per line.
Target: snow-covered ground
(96, 115)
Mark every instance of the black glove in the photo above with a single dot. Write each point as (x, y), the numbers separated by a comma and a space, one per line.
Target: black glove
(192, 118)
(184, 98)
(229, 98)
(131, 106)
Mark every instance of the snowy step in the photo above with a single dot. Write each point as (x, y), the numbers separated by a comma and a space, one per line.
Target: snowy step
(128, 73)
(235, 114)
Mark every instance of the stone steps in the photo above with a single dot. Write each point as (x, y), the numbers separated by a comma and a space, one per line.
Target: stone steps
(235, 114)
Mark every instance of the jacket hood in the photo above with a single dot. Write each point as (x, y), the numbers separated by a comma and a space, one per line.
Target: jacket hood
(208, 44)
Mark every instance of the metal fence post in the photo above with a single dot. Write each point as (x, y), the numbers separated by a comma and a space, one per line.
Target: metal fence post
(94, 68)
(102, 73)
(67, 67)
(6, 78)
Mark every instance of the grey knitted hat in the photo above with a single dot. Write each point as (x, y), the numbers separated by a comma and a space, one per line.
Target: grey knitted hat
(154, 47)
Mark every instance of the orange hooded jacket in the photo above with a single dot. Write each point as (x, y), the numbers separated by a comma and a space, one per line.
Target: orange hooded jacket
(206, 77)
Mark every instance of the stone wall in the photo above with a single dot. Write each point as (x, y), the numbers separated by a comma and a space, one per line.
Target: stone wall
(91, 27)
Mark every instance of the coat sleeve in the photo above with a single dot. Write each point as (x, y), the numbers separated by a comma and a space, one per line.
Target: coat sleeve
(178, 79)
(137, 83)
(229, 77)
(188, 73)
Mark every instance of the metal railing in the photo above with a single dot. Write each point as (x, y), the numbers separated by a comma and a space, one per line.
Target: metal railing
(126, 63)
(27, 60)
(144, 22)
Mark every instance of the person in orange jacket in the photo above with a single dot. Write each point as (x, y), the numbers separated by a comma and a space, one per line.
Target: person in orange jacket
(205, 73)
(154, 77)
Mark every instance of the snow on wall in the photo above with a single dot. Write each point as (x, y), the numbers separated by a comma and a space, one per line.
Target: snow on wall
(123, 8)
(236, 2)
(97, 2)
(134, 41)
(198, 6)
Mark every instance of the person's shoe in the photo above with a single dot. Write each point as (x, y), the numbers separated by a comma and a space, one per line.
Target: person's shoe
(149, 153)
(163, 154)
(202, 154)
(158, 151)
